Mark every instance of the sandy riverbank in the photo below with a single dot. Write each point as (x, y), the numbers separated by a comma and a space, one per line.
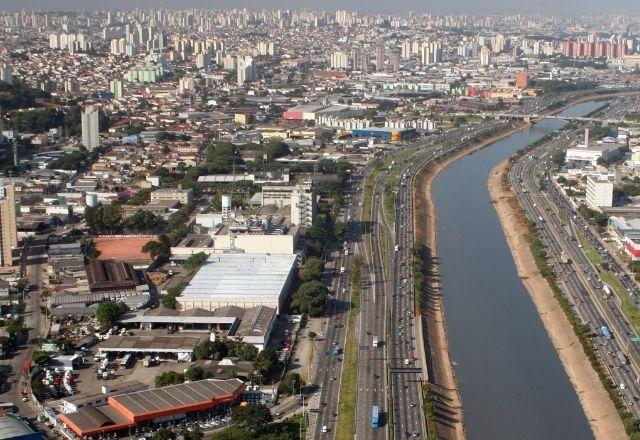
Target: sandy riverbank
(601, 414)
(449, 414)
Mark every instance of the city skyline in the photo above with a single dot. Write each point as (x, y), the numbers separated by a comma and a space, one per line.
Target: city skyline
(568, 7)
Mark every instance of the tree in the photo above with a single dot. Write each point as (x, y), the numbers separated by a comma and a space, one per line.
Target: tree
(266, 360)
(145, 221)
(169, 378)
(169, 300)
(291, 383)
(104, 219)
(109, 311)
(163, 434)
(312, 335)
(312, 270)
(194, 262)
(40, 357)
(22, 284)
(310, 298)
(251, 417)
(194, 372)
(196, 434)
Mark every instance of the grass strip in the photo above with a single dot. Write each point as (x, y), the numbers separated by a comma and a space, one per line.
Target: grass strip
(346, 428)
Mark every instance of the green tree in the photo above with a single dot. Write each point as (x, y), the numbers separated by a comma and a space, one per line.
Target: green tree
(194, 372)
(40, 357)
(251, 417)
(108, 312)
(312, 270)
(194, 262)
(291, 383)
(169, 378)
(266, 360)
(164, 434)
(310, 298)
(104, 219)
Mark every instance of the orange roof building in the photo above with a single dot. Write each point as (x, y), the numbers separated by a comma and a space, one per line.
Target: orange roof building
(126, 411)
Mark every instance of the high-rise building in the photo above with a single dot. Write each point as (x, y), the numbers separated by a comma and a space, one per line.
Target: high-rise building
(8, 230)
(599, 192)
(90, 128)
(339, 60)
(522, 80)
(246, 70)
(485, 56)
(5, 73)
(203, 61)
(117, 88)
(431, 53)
(380, 58)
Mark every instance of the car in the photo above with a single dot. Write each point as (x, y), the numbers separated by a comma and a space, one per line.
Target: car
(24, 398)
(325, 428)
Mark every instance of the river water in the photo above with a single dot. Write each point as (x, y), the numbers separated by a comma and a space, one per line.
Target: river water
(512, 383)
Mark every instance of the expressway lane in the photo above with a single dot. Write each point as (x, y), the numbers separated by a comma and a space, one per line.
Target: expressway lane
(580, 279)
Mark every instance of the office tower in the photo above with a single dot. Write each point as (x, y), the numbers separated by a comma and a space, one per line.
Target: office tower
(485, 56)
(431, 53)
(117, 88)
(5, 73)
(406, 50)
(203, 60)
(90, 128)
(380, 58)
(357, 60)
(394, 61)
(8, 230)
(339, 60)
(246, 70)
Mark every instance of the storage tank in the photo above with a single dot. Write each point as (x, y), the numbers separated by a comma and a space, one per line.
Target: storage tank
(92, 200)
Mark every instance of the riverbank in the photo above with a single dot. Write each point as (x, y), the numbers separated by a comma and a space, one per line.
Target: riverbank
(443, 385)
(598, 407)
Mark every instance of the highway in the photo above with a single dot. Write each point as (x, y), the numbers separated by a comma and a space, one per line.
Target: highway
(578, 279)
(327, 374)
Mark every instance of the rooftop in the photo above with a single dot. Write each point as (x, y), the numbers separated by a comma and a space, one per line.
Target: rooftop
(241, 275)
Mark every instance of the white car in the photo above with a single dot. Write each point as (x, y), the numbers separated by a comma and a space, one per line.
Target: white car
(325, 428)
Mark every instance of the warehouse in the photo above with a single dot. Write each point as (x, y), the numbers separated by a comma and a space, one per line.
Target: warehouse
(147, 407)
(243, 280)
(390, 134)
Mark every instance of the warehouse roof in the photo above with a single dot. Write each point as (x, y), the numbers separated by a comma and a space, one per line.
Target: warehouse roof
(240, 276)
(13, 427)
(150, 344)
(176, 396)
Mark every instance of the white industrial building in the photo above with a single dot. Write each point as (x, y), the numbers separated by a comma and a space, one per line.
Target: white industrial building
(243, 280)
(599, 192)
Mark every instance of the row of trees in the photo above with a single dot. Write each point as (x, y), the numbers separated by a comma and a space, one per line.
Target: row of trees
(19, 95)
(265, 360)
(110, 219)
(194, 372)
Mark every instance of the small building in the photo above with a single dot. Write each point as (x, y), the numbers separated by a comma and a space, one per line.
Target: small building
(184, 196)
(105, 275)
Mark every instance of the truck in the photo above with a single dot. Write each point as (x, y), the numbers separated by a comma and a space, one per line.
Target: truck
(565, 258)
(622, 358)
(606, 292)
(397, 248)
(376, 343)
(375, 416)
(605, 332)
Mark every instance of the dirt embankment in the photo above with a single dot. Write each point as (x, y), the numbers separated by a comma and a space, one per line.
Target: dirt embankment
(601, 414)
(448, 405)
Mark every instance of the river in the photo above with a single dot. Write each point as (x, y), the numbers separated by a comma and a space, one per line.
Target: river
(512, 383)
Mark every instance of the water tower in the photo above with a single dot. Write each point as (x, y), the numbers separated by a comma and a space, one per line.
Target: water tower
(226, 207)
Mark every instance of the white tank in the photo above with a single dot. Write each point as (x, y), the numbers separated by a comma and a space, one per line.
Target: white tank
(92, 200)
(226, 202)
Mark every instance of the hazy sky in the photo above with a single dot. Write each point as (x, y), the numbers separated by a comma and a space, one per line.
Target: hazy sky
(631, 7)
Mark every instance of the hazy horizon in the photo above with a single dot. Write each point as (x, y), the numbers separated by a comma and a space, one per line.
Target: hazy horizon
(565, 7)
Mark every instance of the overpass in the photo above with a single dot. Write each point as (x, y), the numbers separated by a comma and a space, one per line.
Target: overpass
(538, 116)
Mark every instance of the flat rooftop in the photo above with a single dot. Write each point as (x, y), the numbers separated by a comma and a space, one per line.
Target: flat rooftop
(151, 344)
(240, 276)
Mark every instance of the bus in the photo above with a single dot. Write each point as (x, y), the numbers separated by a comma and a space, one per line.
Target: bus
(375, 416)
(605, 332)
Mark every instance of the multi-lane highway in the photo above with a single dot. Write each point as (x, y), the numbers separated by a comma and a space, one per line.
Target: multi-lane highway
(579, 279)
(327, 373)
